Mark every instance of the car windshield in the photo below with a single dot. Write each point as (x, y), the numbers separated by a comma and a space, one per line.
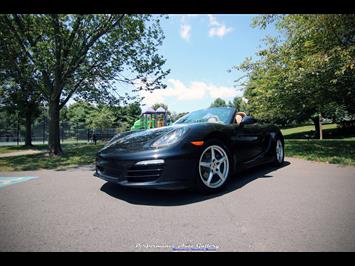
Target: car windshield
(221, 115)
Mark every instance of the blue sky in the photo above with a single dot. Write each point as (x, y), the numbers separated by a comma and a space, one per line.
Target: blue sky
(199, 50)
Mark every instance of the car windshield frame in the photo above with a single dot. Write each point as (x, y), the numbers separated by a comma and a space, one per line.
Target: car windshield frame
(228, 119)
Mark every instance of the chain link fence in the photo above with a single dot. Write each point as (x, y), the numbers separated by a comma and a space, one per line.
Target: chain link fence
(69, 133)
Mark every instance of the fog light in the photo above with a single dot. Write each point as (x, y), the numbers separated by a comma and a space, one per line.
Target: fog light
(148, 162)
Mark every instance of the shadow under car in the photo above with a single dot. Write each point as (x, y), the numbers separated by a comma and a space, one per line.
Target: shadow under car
(152, 197)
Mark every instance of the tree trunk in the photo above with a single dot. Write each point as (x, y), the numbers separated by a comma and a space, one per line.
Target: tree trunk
(53, 127)
(318, 127)
(28, 126)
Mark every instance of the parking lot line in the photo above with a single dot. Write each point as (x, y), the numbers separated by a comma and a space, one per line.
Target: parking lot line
(10, 180)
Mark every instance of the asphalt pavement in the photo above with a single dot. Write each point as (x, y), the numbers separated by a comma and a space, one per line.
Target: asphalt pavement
(302, 206)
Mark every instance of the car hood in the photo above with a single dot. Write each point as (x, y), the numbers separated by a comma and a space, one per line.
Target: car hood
(137, 140)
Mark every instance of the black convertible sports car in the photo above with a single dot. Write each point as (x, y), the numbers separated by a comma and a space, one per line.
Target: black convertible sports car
(203, 149)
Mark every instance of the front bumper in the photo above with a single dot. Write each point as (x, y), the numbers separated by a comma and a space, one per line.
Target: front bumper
(177, 172)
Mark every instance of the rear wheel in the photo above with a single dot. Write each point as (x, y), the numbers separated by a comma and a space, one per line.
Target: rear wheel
(213, 167)
(279, 152)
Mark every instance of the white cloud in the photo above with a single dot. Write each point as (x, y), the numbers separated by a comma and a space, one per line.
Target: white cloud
(182, 92)
(197, 90)
(217, 28)
(213, 20)
(219, 31)
(185, 32)
(221, 92)
(151, 98)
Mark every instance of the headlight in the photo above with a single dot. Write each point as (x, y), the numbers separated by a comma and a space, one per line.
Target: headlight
(170, 138)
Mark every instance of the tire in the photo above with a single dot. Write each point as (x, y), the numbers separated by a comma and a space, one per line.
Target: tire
(213, 171)
(279, 152)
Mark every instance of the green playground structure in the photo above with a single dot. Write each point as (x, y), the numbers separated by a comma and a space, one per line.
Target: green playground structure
(151, 118)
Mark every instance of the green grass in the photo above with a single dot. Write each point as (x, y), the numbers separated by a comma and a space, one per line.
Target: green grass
(329, 131)
(74, 155)
(336, 146)
(329, 151)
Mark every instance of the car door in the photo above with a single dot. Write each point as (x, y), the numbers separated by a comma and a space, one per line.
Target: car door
(248, 141)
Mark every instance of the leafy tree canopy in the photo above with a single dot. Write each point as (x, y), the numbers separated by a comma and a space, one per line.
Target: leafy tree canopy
(86, 56)
(101, 118)
(218, 103)
(308, 70)
(239, 104)
(80, 112)
(163, 105)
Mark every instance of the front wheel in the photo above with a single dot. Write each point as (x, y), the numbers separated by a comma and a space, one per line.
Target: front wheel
(213, 168)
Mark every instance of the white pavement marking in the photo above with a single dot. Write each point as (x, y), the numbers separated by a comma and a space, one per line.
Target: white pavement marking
(6, 180)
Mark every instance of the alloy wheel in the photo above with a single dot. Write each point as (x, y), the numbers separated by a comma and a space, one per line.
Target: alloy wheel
(214, 166)
(279, 151)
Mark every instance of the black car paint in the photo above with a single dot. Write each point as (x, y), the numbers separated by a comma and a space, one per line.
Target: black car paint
(249, 144)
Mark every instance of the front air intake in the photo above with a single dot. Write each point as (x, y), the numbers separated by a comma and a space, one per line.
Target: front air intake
(144, 173)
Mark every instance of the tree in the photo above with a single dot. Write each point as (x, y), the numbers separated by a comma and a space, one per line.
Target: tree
(218, 103)
(163, 105)
(82, 56)
(127, 115)
(20, 85)
(101, 118)
(8, 120)
(25, 104)
(157, 105)
(175, 116)
(239, 104)
(80, 112)
(134, 110)
(102, 115)
(307, 74)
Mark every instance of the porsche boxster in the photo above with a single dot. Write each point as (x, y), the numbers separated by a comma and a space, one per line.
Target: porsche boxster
(202, 149)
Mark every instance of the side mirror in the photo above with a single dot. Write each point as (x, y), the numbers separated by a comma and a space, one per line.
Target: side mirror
(248, 120)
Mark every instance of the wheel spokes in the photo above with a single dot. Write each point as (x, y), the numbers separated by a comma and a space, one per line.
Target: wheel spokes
(221, 160)
(220, 174)
(205, 164)
(210, 178)
(214, 166)
(213, 155)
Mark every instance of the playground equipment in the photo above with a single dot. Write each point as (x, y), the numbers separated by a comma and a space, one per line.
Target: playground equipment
(148, 118)
(151, 118)
(161, 117)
